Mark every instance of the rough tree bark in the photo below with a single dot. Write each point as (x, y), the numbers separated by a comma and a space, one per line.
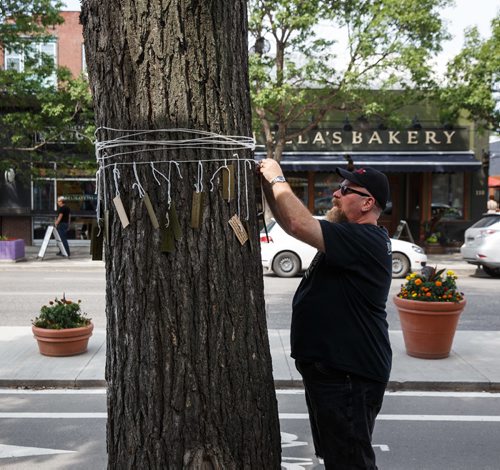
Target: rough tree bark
(188, 365)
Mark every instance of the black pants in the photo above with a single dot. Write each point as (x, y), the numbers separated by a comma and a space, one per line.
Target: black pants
(62, 229)
(342, 410)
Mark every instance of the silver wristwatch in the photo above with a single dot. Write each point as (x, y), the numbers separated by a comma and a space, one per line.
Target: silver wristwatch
(278, 179)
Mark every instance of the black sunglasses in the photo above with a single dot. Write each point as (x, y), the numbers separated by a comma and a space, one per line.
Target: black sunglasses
(346, 190)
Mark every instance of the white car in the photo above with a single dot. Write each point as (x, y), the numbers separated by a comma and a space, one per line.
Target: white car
(286, 256)
(482, 244)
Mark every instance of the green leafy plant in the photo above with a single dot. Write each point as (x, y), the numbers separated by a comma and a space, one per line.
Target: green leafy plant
(431, 286)
(61, 314)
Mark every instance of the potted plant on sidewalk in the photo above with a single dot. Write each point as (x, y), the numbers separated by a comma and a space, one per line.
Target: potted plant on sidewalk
(429, 307)
(62, 329)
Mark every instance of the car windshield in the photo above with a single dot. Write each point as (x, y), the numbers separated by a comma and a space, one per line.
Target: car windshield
(486, 221)
(269, 226)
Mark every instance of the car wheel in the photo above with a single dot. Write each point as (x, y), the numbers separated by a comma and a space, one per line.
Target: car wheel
(493, 272)
(286, 264)
(400, 265)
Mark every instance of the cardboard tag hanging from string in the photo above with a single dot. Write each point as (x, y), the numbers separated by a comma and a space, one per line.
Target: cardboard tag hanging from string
(107, 236)
(197, 210)
(167, 238)
(238, 229)
(228, 182)
(171, 232)
(97, 239)
(174, 222)
(151, 212)
(121, 211)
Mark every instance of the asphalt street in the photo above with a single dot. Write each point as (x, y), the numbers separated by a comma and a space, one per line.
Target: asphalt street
(22, 292)
(59, 429)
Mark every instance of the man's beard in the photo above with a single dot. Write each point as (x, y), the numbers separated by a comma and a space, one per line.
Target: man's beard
(336, 214)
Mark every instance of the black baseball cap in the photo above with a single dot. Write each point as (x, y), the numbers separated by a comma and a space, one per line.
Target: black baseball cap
(371, 179)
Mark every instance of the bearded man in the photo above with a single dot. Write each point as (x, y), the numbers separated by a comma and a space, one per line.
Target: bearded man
(339, 333)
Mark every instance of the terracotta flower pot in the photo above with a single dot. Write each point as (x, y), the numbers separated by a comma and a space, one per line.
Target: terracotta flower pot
(68, 342)
(428, 327)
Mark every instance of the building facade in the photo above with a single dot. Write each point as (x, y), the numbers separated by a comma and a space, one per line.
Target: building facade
(435, 173)
(28, 205)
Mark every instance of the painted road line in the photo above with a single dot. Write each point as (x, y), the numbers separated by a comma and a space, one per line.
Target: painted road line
(54, 391)
(9, 452)
(283, 416)
(382, 417)
(27, 415)
(298, 391)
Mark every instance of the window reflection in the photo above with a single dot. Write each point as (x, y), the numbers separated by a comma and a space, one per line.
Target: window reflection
(447, 195)
(324, 187)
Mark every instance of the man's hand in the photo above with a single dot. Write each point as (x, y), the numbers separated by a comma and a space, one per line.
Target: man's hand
(270, 169)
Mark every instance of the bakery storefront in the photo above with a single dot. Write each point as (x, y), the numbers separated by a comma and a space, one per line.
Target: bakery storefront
(436, 180)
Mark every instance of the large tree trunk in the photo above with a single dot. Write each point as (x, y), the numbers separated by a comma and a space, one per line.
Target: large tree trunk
(188, 365)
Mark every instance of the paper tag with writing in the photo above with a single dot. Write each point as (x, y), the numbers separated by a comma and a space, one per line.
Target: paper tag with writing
(121, 211)
(238, 229)
(151, 212)
(228, 182)
(197, 210)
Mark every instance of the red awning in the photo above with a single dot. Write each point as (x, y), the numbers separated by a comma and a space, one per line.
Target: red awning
(494, 181)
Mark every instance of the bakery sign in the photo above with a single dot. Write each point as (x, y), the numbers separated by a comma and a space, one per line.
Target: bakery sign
(328, 140)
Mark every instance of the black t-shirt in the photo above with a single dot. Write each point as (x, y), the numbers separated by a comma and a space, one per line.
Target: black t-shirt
(339, 315)
(64, 210)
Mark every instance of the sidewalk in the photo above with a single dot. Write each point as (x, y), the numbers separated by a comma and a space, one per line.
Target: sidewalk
(473, 364)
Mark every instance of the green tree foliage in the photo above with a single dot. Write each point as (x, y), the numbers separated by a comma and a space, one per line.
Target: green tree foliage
(21, 20)
(473, 79)
(42, 105)
(298, 77)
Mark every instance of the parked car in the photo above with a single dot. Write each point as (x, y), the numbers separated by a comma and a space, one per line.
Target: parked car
(482, 244)
(286, 256)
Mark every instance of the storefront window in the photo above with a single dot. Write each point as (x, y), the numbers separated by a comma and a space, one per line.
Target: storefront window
(80, 198)
(448, 196)
(40, 225)
(43, 195)
(79, 195)
(325, 185)
(298, 183)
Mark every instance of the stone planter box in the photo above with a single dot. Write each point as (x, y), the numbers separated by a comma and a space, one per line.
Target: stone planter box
(12, 250)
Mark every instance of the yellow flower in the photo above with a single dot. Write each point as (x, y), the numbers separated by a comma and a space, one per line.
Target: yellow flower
(450, 273)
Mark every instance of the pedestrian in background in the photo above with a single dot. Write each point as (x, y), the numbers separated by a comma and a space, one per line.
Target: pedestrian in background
(62, 223)
(492, 205)
(339, 332)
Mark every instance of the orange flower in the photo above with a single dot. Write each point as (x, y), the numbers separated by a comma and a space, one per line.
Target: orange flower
(439, 283)
(428, 294)
(418, 281)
